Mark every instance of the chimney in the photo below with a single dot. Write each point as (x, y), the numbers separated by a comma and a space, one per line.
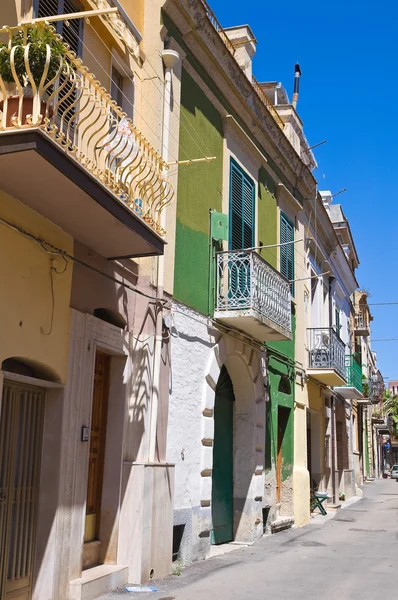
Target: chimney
(244, 42)
(297, 75)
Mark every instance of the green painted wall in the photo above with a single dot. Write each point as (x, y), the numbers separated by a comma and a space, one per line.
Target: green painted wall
(281, 373)
(267, 217)
(176, 34)
(199, 190)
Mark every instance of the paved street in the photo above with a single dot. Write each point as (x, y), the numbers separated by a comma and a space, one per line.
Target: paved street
(354, 555)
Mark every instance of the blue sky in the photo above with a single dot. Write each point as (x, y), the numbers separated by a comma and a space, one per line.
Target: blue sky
(349, 88)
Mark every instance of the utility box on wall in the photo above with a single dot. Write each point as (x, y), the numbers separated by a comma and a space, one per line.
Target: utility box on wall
(219, 226)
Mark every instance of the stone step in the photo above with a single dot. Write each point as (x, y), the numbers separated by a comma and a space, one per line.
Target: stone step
(98, 581)
(281, 524)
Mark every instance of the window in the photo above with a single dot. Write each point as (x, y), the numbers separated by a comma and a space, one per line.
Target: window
(241, 209)
(72, 35)
(116, 87)
(287, 250)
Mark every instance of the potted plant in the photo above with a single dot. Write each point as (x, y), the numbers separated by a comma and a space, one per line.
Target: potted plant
(38, 39)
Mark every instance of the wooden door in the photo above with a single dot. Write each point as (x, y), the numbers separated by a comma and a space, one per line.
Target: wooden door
(279, 458)
(222, 480)
(283, 419)
(21, 432)
(99, 414)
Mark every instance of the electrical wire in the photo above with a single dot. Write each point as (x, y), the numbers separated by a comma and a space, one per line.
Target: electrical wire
(160, 90)
(134, 107)
(121, 66)
(51, 249)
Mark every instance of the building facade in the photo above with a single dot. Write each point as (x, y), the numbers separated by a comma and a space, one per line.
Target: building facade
(240, 456)
(84, 355)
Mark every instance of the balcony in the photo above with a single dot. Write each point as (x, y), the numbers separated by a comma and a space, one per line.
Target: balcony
(353, 374)
(252, 296)
(361, 325)
(376, 387)
(326, 360)
(69, 152)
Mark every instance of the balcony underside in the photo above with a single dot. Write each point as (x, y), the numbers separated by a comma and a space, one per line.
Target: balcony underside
(329, 377)
(349, 392)
(36, 171)
(253, 324)
(362, 331)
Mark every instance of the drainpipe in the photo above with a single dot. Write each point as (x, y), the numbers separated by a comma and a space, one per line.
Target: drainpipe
(333, 435)
(297, 75)
(170, 60)
(332, 402)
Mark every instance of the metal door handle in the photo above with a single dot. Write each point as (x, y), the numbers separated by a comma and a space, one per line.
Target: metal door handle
(3, 496)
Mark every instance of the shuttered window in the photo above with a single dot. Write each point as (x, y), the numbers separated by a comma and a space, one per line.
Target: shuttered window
(241, 209)
(287, 251)
(72, 33)
(337, 321)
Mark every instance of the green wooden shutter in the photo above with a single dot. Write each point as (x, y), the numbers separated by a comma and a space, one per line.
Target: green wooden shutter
(337, 321)
(287, 251)
(241, 209)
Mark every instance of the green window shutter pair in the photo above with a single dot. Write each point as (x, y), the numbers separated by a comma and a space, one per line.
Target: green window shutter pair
(337, 321)
(287, 250)
(241, 209)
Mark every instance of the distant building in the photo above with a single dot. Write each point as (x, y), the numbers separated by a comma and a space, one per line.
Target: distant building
(393, 386)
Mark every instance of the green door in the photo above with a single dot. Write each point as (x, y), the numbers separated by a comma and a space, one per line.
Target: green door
(222, 490)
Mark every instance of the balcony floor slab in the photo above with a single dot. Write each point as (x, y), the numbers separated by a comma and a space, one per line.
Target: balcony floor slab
(39, 173)
(253, 324)
(349, 392)
(329, 377)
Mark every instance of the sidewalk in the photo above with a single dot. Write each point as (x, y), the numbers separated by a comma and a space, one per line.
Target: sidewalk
(239, 563)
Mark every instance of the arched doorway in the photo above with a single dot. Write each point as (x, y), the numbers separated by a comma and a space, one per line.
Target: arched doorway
(223, 467)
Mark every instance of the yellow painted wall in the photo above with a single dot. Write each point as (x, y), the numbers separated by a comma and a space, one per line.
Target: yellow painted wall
(135, 10)
(25, 299)
(301, 483)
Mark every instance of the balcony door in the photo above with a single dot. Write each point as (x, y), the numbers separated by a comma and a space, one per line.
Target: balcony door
(241, 232)
(241, 209)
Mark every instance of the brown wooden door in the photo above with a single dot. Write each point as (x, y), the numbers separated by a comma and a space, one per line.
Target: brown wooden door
(21, 431)
(279, 459)
(99, 416)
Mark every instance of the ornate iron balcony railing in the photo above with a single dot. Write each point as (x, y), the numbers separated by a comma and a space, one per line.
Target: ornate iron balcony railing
(58, 95)
(246, 282)
(360, 322)
(353, 372)
(326, 350)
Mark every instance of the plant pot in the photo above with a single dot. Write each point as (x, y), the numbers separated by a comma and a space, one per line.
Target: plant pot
(27, 109)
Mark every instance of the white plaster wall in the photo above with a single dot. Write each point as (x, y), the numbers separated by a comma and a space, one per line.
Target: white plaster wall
(197, 355)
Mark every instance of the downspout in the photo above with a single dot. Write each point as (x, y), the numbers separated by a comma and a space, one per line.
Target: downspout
(170, 60)
(333, 435)
(332, 403)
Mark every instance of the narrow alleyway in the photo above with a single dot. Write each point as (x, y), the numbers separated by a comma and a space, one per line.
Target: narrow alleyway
(354, 555)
